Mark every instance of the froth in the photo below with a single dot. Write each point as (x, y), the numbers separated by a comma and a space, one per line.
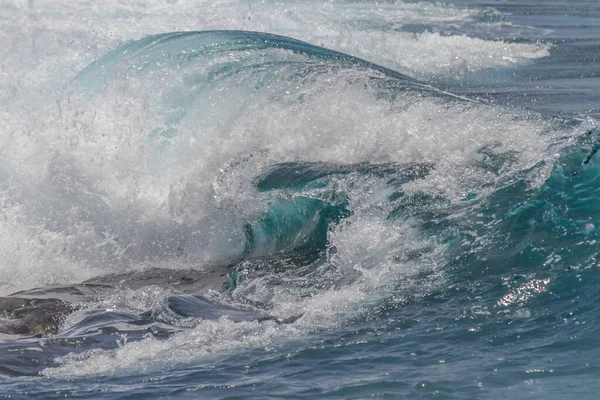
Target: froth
(124, 186)
(48, 42)
(374, 281)
(118, 183)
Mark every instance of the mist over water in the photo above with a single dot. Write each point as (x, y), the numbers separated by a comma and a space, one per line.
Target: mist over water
(373, 201)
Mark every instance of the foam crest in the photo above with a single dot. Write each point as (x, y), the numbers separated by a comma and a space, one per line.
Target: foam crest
(136, 176)
(431, 55)
(55, 41)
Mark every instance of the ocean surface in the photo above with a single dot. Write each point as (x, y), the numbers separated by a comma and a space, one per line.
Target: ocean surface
(395, 199)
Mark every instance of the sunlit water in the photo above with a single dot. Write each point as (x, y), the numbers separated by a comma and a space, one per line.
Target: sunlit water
(393, 199)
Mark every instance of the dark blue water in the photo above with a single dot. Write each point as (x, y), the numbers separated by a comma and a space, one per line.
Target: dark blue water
(392, 200)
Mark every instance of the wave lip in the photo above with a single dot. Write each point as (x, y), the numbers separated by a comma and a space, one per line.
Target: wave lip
(180, 48)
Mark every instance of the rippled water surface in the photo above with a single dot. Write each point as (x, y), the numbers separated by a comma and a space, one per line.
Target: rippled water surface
(294, 199)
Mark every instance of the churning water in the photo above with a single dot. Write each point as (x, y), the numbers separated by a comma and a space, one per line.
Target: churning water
(294, 199)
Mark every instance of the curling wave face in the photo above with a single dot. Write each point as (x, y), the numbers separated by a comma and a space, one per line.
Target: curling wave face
(329, 188)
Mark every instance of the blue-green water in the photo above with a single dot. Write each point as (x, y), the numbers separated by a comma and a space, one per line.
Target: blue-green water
(390, 199)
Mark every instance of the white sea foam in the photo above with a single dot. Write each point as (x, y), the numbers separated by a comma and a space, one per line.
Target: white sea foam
(86, 190)
(48, 41)
(324, 310)
(119, 196)
(381, 257)
(427, 55)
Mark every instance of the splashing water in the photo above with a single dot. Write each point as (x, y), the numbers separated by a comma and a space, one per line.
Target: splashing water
(317, 201)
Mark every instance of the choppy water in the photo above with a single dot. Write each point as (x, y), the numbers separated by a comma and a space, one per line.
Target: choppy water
(394, 199)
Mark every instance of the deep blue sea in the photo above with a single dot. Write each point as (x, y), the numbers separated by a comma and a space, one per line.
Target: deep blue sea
(297, 199)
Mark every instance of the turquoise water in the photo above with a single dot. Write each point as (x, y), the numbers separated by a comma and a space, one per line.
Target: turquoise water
(390, 199)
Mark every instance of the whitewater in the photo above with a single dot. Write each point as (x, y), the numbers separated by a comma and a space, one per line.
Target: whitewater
(296, 199)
